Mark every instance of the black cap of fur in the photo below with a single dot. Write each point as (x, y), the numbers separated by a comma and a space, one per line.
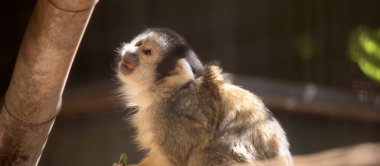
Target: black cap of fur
(177, 49)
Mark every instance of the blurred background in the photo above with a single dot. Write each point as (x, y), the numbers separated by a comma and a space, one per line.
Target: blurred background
(316, 64)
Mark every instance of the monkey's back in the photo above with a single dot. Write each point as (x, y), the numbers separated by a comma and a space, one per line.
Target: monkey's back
(211, 119)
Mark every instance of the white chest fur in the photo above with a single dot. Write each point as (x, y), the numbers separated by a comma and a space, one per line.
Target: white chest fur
(143, 121)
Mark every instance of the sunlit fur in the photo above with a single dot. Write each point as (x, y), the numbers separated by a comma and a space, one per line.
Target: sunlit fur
(195, 119)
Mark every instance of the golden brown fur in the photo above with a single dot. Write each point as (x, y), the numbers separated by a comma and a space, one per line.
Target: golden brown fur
(188, 114)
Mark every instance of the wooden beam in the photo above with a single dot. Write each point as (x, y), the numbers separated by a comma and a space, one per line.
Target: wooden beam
(279, 96)
(367, 154)
(311, 99)
(33, 98)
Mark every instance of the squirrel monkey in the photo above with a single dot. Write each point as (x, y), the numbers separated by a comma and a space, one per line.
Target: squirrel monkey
(187, 113)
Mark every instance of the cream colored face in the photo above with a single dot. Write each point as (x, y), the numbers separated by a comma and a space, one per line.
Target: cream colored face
(142, 53)
(156, 57)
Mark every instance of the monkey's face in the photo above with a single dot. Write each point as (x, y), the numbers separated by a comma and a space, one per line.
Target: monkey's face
(138, 59)
(157, 56)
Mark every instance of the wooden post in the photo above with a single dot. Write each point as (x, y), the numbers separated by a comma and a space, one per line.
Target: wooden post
(366, 154)
(44, 60)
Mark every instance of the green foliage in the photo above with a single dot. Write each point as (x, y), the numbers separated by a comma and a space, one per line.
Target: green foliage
(364, 49)
(123, 159)
(305, 47)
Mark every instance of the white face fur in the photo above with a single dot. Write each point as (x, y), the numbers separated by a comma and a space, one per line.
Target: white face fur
(146, 52)
(137, 69)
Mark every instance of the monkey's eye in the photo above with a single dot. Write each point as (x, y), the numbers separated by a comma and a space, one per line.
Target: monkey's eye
(147, 52)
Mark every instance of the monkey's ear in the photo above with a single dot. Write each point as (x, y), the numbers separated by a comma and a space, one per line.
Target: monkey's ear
(195, 64)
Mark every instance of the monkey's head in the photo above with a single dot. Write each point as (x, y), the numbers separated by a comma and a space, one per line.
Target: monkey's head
(158, 56)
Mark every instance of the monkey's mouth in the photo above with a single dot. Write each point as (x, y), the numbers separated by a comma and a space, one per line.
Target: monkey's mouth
(127, 64)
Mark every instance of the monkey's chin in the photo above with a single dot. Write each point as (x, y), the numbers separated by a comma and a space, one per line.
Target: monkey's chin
(125, 70)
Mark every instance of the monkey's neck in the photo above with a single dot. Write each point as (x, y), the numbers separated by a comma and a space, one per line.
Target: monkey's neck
(145, 94)
(142, 96)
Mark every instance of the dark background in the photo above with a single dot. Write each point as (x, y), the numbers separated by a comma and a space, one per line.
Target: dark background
(251, 37)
